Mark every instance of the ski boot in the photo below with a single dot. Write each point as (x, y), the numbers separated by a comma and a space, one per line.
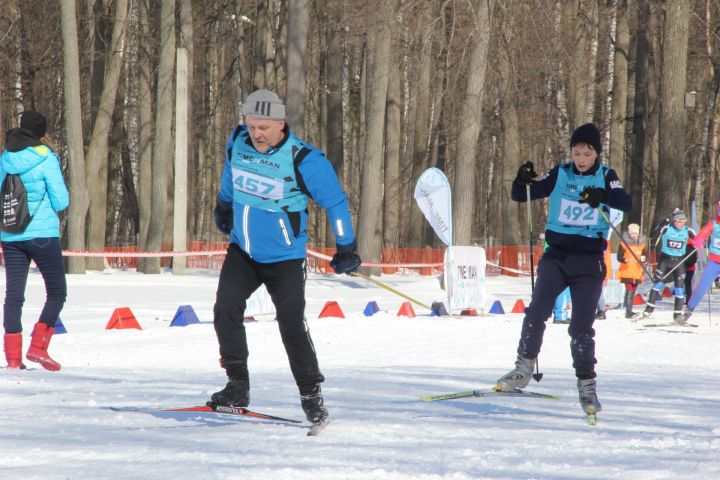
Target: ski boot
(313, 405)
(518, 378)
(649, 307)
(600, 315)
(679, 311)
(235, 394)
(645, 314)
(683, 319)
(628, 303)
(560, 321)
(588, 398)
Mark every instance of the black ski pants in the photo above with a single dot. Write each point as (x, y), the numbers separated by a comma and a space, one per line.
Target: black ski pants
(584, 273)
(240, 276)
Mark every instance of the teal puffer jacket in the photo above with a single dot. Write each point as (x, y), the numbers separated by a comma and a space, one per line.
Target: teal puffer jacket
(39, 170)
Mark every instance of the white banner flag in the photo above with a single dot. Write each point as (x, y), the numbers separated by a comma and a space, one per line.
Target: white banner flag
(465, 272)
(616, 218)
(433, 196)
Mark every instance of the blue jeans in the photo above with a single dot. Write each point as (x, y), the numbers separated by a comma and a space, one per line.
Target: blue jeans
(47, 255)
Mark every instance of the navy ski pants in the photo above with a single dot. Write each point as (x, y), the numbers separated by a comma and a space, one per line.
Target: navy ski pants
(240, 276)
(47, 255)
(584, 273)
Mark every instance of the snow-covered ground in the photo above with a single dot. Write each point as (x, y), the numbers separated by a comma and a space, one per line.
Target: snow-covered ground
(660, 418)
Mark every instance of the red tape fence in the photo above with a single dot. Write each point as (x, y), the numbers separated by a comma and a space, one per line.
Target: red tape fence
(512, 260)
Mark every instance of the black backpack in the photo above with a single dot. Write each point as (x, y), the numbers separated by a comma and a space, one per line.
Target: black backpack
(14, 212)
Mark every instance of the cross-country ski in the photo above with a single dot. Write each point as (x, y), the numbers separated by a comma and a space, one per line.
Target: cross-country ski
(221, 409)
(489, 394)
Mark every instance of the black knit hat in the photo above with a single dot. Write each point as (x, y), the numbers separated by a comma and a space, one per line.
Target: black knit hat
(34, 121)
(588, 134)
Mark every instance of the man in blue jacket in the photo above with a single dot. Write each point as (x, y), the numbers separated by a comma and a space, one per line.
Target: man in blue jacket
(268, 178)
(576, 233)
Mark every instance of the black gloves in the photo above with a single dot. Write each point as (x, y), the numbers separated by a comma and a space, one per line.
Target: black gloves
(593, 196)
(346, 259)
(223, 215)
(526, 173)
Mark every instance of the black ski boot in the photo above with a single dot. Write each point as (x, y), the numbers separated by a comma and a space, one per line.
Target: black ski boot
(313, 404)
(678, 313)
(236, 393)
(629, 300)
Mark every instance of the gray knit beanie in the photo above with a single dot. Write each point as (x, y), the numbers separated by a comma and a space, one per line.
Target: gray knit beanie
(264, 104)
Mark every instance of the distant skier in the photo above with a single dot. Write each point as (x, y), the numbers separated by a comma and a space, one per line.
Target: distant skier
(631, 272)
(672, 247)
(711, 230)
(576, 233)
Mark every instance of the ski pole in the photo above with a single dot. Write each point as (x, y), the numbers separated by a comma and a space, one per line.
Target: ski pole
(605, 217)
(537, 375)
(389, 288)
(530, 239)
(710, 307)
(678, 264)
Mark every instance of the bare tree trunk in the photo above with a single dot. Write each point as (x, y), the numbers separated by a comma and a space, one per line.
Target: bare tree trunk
(391, 219)
(97, 156)
(131, 115)
(407, 186)
(162, 145)
(635, 177)
(146, 133)
(180, 188)
(509, 210)
(417, 225)
(369, 220)
(616, 154)
(261, 38)
(187, 41)
(269, 54)
(297, 46)
(581, 23)
(469, 126)
(702, 164)
(334, 96)
(671, 163)
(73, 131)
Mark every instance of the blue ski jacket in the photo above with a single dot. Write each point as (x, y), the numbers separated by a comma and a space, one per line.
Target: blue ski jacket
(269, 194)
(39, 170)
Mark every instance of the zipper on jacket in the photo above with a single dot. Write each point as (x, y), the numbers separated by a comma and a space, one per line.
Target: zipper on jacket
(285, 232)
(246, 234)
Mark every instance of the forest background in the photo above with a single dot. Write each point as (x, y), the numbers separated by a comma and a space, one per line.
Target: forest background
(386, 88)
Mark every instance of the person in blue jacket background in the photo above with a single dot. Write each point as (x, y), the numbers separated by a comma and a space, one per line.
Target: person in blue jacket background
(576, 233)
(673, 247)
(268, 178)
(28, 154)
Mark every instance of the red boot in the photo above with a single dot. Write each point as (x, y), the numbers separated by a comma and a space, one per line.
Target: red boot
(13, 350)
(38, 347)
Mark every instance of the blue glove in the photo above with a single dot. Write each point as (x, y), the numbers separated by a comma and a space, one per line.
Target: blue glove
(223, 216)
(346, 259)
